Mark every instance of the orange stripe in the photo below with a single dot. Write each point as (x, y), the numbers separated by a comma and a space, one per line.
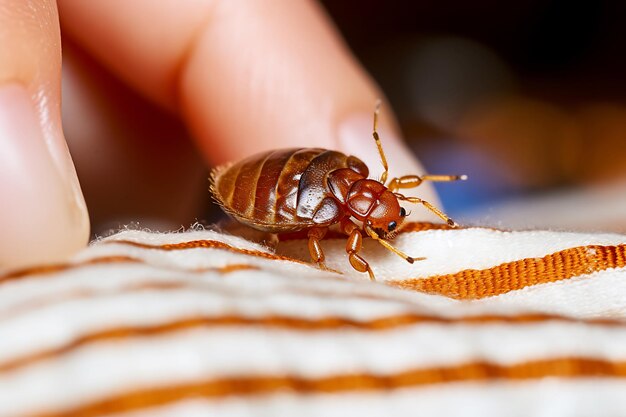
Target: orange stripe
(83, 293)
(38, 302)
(473, 284)
(53, 268)
(50, 269)
(283, 322)
(209, 244)
(227, 269)
(212, 244)
(567, 367)
(411, 227)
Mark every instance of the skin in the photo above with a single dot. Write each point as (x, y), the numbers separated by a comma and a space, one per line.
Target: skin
(182, 85)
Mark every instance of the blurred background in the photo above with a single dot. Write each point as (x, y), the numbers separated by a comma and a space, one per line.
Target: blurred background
(526, 97)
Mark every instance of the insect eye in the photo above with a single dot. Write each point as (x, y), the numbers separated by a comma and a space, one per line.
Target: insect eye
(391, 226)
(402, 212)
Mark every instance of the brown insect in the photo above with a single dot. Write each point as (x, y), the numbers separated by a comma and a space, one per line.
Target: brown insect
(310, 189)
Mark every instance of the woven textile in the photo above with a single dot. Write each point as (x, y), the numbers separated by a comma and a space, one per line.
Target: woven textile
(200, 323)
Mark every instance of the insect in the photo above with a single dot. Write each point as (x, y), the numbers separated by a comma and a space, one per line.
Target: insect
(310, 189)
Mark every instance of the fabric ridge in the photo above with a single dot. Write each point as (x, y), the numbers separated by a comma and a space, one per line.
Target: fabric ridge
(202, 322)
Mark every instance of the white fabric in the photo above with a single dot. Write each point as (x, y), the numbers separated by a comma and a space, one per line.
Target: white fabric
(57, 311)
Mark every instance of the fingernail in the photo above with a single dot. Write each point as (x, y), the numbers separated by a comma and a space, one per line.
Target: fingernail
(43, 217)
(355, 138)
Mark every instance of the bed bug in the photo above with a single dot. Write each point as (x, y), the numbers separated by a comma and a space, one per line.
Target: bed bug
(310, 189)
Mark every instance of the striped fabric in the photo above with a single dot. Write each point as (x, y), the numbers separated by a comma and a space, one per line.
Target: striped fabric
(492, 323)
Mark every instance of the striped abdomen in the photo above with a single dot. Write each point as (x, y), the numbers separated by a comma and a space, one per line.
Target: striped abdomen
(283, 190)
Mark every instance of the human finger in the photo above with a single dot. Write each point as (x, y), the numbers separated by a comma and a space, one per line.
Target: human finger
(43, 216)
(245, 76)
(135, 160)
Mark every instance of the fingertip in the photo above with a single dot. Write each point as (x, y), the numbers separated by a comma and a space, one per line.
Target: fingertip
(43, 216)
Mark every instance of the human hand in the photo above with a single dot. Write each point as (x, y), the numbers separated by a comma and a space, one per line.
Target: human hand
(241, 76)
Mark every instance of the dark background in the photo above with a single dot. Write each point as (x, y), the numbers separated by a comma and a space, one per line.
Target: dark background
(525, 97)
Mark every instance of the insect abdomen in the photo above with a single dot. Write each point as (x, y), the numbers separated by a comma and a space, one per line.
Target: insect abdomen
(262, 190)
(279, 191)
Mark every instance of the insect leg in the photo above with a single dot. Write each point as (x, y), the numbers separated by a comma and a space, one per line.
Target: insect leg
(390, 247)
(429, 206)
(412, 181)
(353, 246)
(316, 234)
(383, 158)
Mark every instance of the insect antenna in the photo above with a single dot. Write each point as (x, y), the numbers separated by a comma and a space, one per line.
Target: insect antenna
(429, 206)
(388, 246)
(383, 158)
